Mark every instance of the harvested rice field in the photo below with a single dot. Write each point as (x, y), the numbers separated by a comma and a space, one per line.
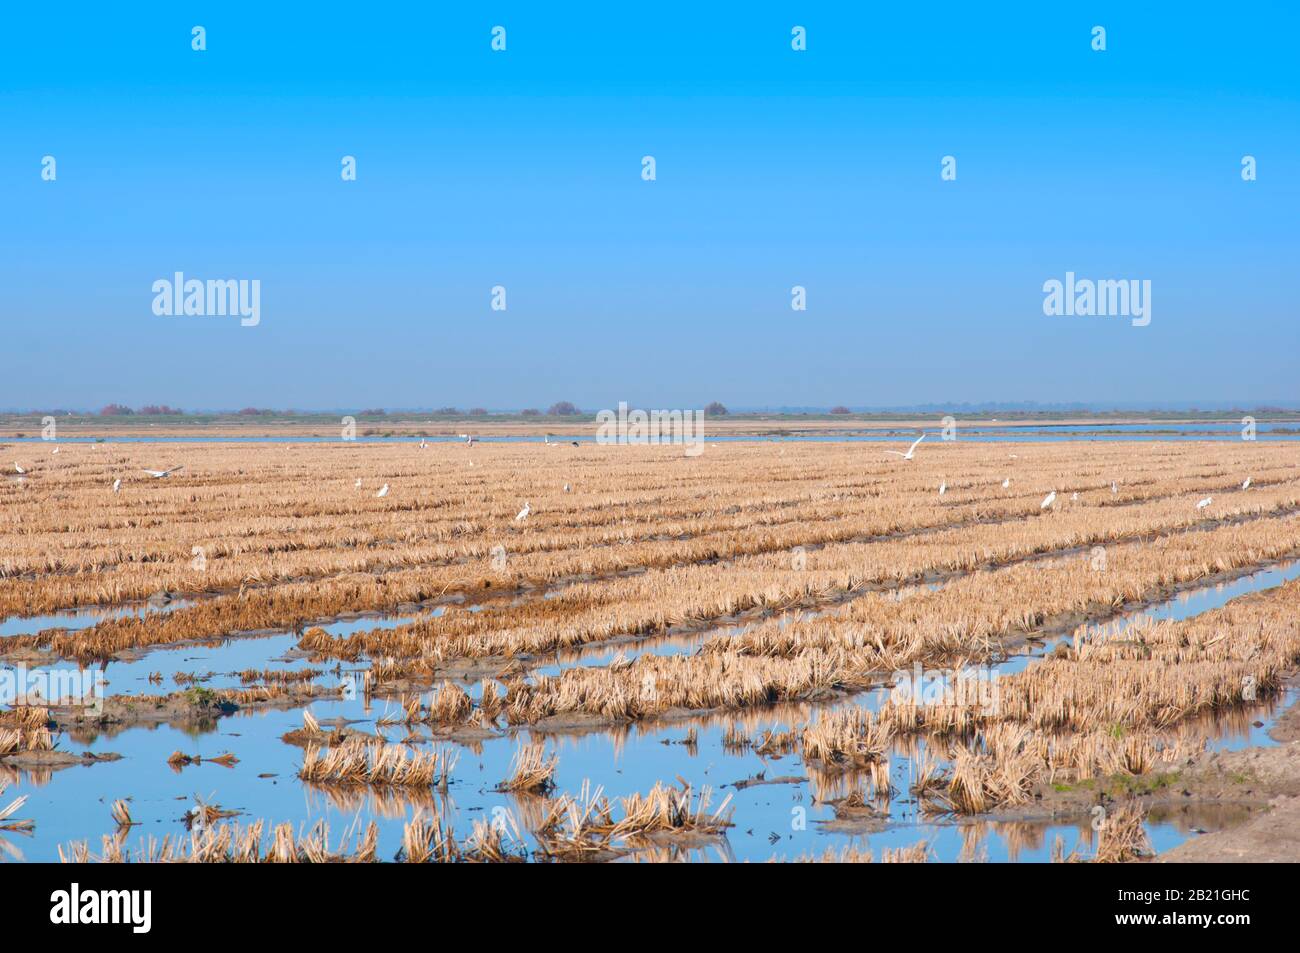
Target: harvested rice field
(798, 648)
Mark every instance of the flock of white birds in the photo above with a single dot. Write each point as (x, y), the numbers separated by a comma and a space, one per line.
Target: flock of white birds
(1047, 500)
(523, 514)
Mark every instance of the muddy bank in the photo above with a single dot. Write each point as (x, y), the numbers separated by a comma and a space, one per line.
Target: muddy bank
(193, 708)
(1273, 775)
(1272, 837)
(1241, 806)
(50, 760)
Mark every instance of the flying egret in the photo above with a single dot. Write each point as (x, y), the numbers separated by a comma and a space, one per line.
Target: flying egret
(1048, 500)
(383, 490)
(943, 487)
(159, 474)
(1246, 485)
(117, 484)
(1006, 483)
(523, 514)
(1205, 502)
(19, 468)
(910, 450)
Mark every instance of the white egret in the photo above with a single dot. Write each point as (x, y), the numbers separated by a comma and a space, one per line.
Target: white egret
(159, 474)
(1205, 502)
(943, 487)
(1048, 500)
(910, 450)
(117, 484)
(523, 514)
(19, 468)
(55, 450)
(1114, 487)
(1074, 496)
(358, 483)
(567, 488)
(383, 491)
(1006, 483)
(1246, 485)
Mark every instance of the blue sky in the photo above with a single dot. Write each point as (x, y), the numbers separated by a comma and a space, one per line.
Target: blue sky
(775, 168)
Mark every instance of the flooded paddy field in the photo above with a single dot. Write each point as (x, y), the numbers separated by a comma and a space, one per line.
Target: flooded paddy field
(519, 650)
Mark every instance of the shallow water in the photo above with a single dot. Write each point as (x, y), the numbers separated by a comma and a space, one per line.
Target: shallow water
(84, 618)
(783, 820)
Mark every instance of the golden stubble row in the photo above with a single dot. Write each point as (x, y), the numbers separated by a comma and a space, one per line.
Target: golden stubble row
(657, 599)
(302, 516)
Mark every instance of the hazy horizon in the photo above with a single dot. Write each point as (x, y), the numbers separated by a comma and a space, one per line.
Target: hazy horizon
(590, 409)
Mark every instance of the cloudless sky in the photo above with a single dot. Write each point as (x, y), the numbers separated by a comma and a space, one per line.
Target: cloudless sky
(775, 168)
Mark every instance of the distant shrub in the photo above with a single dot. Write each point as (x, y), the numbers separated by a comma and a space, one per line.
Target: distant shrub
(841, 409)
(373, 412)
(115, 410)
(157, 410)
(530, 412)
(477, 412)
(715, 409)
(448, 411)
(563, 409)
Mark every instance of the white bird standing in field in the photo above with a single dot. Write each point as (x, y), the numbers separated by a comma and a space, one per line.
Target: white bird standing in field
(358, 483)
(423, 443)
(1114, 487)
(1074, 496)
(159, 474)
(943, 487)
(910, 450)
(383, 491)
(55, 450)
(1246, 485)
(1205, 502)
(567, 488)
(523, 514)
(1006, 483)
(1048, 500)
(117, 484)
(19, 469)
